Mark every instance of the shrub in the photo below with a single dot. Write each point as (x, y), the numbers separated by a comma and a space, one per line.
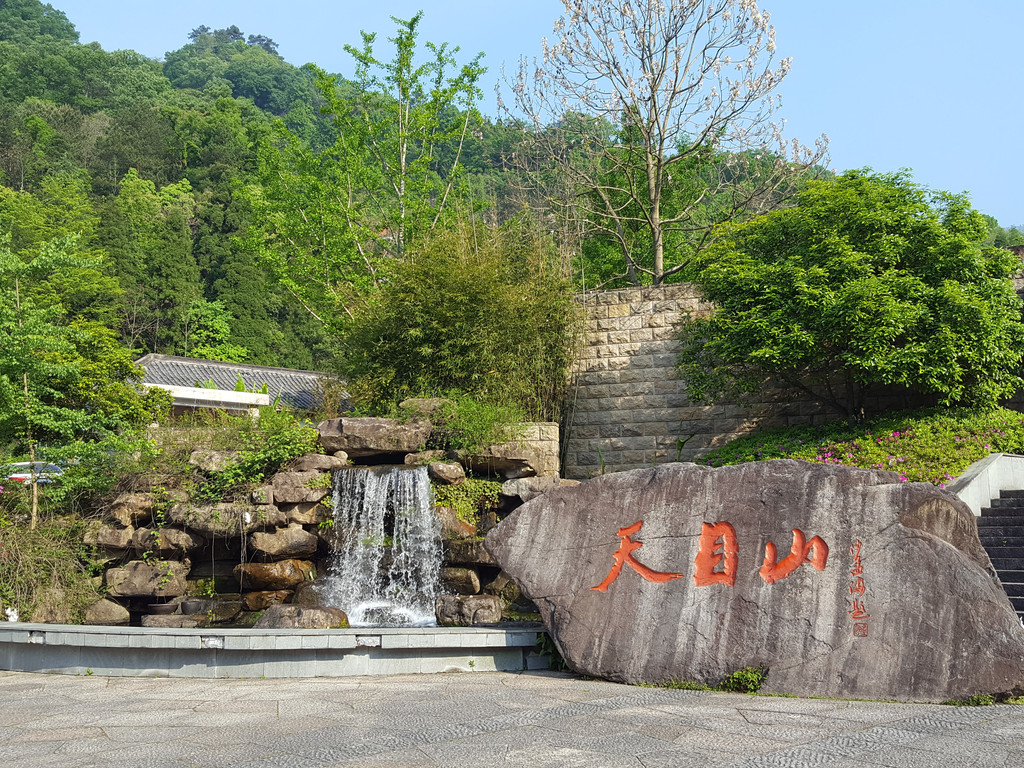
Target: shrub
(469, 498)
(869, 280)
(465, 425)
(48, 568)
(932, 445)
(263, 447)
(473, 310)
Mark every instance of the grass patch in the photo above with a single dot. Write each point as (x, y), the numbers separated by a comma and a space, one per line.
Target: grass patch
(746, 680)
(930, 446)
(469, 499)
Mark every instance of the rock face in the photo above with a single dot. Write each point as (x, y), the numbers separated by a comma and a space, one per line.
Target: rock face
(161, 578)
(294, 487)
(107, 612)
(301, 617)
(284, 543)
(286, 574)
(467, 610)
(842, 582)
(369, 436)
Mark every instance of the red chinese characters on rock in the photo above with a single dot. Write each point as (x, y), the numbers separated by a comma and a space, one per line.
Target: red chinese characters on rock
(718, 557)
(801, 552)
(858, 588)
(624, 556)
(717, 546)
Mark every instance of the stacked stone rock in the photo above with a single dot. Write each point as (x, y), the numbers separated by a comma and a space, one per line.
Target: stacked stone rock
(262, 556)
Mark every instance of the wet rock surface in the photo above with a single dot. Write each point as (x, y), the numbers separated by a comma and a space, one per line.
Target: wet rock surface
(842, 582)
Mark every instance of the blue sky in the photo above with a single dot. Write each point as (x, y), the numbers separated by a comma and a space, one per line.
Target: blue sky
(931, 85)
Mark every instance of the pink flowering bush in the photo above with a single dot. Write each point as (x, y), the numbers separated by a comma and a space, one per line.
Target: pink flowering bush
(931, 446)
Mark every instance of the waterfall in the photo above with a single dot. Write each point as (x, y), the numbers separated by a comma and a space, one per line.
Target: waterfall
(386, 568)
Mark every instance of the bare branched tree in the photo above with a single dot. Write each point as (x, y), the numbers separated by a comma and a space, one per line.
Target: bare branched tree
(658, 116)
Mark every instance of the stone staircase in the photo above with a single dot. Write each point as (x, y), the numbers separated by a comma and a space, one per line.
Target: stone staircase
(1001, 529)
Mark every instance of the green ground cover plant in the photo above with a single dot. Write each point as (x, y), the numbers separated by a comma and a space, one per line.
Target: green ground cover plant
(469, 498)
(931, 446)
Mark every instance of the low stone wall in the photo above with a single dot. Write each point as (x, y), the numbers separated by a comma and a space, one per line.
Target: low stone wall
(250, 653)
(628, 409)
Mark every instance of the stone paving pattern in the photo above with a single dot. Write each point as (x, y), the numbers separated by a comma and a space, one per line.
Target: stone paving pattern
(475, 719)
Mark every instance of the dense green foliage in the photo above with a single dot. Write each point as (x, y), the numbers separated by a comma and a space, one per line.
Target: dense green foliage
(931, 446)
(476, 311)
(868, 280)
(468, 498)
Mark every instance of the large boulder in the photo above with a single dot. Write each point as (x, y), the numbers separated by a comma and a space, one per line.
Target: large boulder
(222, 520)
(446, 473)
(262, 577)
(165, 542)
(841, 582)
(452, 527)
(160, 578)
(132, 508)
(108, 537)
(467, 610)
(284, 543)
(461, 581)
(300, 487)
(301, 617)
(527, 488)
(107, 613)
(371, 436)
(317, 461)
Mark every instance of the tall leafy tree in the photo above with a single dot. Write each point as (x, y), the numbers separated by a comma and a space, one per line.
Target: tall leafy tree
(868, 280)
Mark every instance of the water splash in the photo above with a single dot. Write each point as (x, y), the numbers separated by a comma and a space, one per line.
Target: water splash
(386, 569)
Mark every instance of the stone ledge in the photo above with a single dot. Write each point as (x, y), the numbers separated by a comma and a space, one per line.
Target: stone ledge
(210, 652)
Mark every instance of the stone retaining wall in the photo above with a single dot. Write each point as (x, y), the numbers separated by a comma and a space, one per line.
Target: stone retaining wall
(629, 410)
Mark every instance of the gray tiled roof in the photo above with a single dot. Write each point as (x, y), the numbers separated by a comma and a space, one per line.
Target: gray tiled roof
(297, 389)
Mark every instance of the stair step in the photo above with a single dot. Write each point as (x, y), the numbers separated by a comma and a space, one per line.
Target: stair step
(987, 513)
(1011, 494)
(988, 542)
(1013, 590)
(1011, 503)
(1002, 564)
(1017, 603)
(1011, 576)
(1005, 553)
(991, 530)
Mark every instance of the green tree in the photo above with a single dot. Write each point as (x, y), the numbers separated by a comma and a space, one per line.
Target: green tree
(481, 312)
(869, 280)
(394, 127)
(23, 21)
(148, 234)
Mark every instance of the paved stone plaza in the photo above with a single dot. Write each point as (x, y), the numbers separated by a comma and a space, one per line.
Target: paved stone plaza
(475, 719)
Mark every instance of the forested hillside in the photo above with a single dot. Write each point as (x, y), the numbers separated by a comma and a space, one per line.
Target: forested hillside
(147, 162)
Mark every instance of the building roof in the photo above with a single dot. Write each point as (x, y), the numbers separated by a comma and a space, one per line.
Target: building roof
(298, 389)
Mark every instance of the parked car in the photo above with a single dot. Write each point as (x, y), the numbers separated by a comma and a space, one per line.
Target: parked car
(24, 471)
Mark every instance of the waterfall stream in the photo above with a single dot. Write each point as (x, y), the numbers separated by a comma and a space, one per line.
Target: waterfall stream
(386, 568)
